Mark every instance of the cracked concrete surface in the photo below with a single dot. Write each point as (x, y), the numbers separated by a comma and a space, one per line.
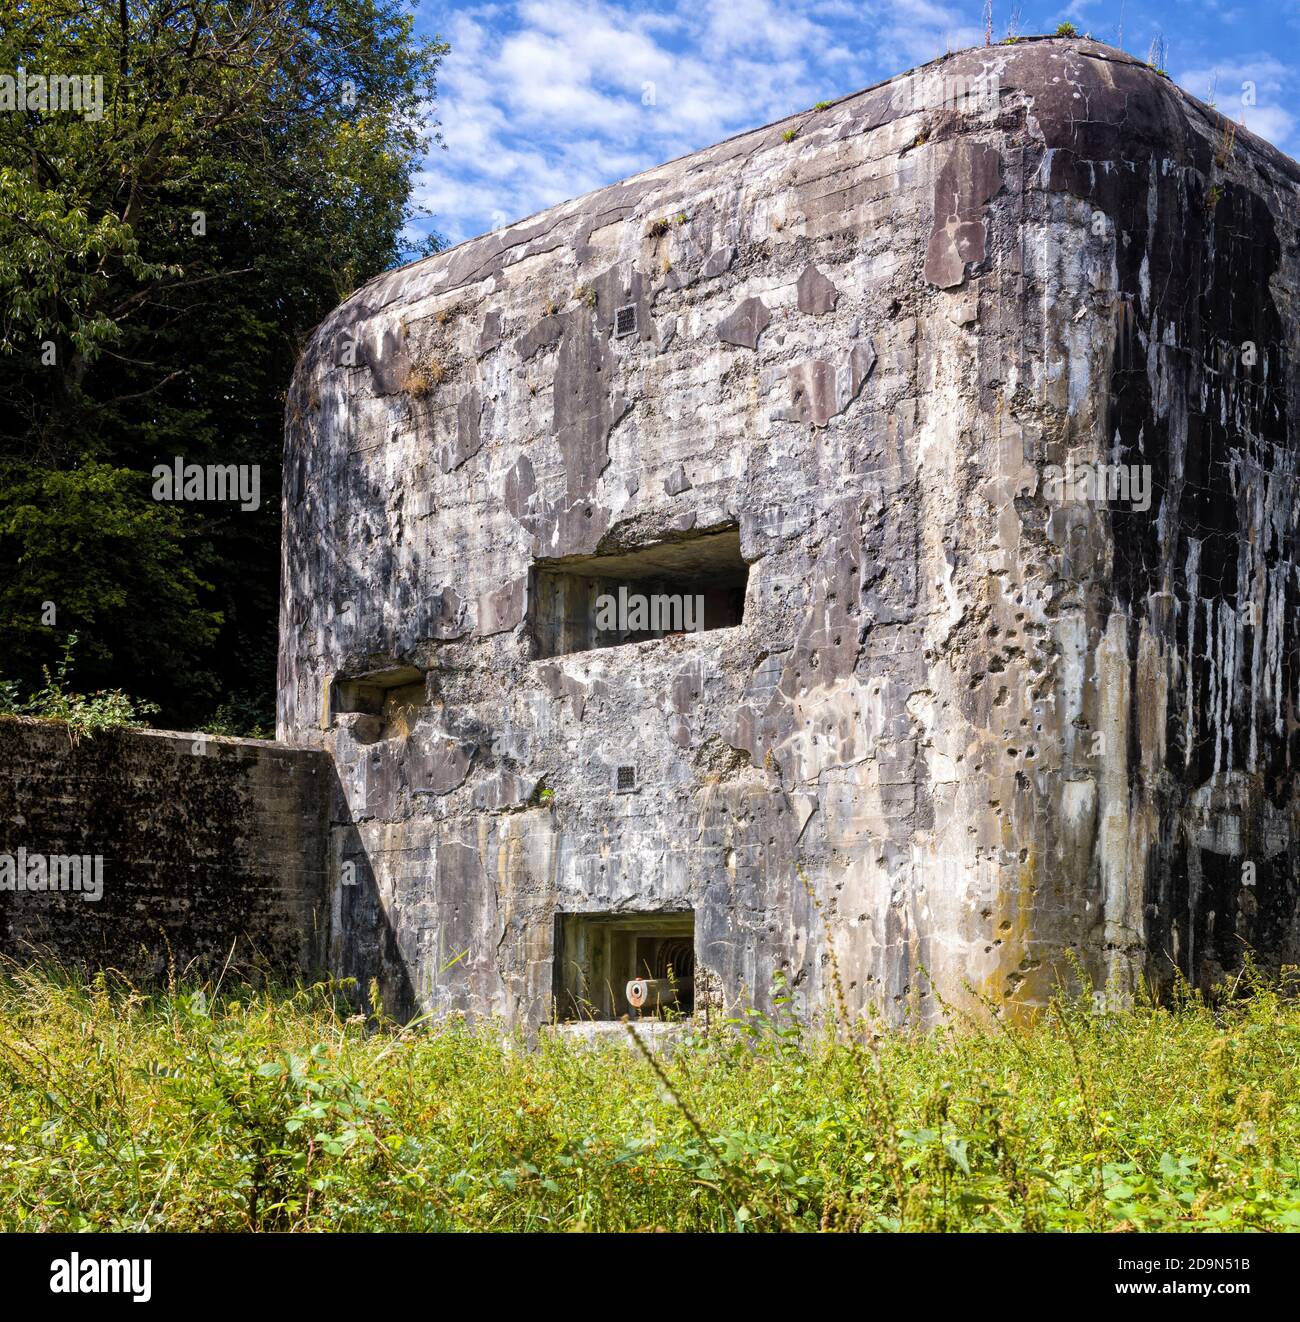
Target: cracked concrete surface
(964, 736)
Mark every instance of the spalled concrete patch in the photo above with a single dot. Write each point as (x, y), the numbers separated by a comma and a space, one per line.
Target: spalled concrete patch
(816, 293)
(743, 326)
(971, 174)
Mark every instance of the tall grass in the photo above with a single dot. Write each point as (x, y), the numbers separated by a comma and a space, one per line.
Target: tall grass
(202, 1109)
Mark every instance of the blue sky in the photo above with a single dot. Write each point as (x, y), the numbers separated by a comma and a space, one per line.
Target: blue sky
(541, 100)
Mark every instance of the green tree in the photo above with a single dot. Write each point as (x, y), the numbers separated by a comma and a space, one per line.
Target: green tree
(162, 256)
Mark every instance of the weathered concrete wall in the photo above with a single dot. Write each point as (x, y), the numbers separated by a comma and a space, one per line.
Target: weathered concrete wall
(994, 730)
(206, 855)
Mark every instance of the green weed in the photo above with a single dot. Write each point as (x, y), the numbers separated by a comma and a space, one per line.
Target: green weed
(228, 1108)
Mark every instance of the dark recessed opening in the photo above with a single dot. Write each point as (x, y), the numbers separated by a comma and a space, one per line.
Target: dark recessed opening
(598, 955)
(367, 692)
(626, 779)
(684, 586)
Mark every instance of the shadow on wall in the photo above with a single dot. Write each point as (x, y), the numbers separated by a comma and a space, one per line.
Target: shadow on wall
(363, 944)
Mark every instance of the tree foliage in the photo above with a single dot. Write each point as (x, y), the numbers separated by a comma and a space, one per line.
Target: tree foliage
(160, 264)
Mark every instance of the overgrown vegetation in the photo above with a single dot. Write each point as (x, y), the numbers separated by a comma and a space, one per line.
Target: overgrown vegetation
(242, 717)
(83, 714)
(222, 1108)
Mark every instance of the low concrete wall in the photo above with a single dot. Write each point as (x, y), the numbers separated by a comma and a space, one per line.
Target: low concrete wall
(201, 846)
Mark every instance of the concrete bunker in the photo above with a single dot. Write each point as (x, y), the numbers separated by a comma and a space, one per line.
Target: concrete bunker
(580, 603)
(853, 350)
(599, 956)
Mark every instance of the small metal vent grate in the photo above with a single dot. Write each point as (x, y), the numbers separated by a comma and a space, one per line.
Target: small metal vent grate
(625, 320)
(626, 779)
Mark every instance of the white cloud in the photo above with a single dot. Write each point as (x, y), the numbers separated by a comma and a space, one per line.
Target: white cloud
(1251, 91)
(918, 31)
(758, 25)
(542, 100)
(547, 99)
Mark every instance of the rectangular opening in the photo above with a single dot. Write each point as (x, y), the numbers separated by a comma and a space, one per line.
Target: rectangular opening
(597, 957)
(625, 320)
(365, 692)
(685, 586)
